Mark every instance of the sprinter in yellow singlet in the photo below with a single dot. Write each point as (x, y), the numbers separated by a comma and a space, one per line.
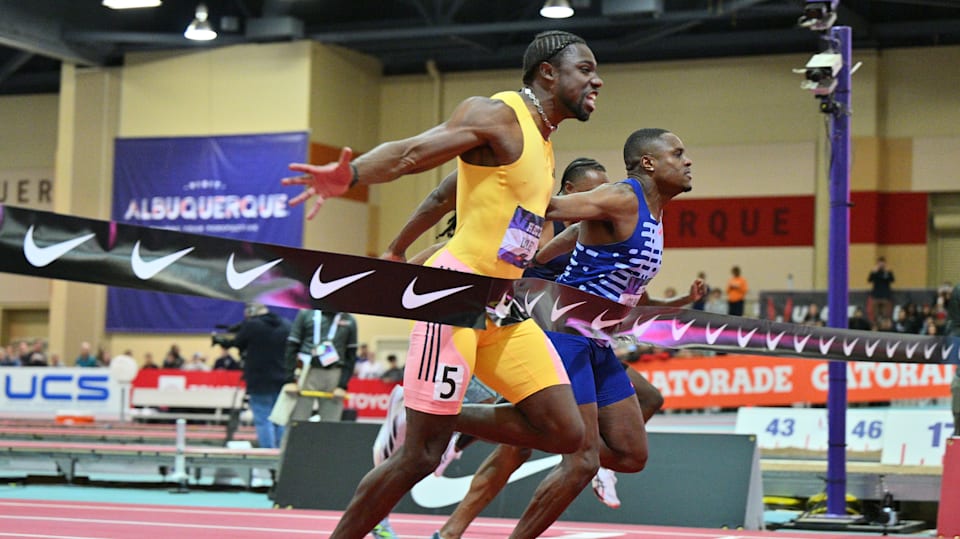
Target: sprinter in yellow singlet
(505, 178)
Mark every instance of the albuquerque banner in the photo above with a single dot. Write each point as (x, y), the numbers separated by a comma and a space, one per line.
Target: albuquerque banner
(56, 246)
(220, 186)
(734, 380)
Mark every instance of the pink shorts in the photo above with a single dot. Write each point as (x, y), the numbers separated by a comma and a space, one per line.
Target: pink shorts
(515, 361)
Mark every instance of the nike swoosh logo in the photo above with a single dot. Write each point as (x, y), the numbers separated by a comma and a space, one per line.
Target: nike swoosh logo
(800, 344)
(910, 349)
(556, 313)
(679, 331)
(240, 279)
(742, 339)
(712, 335)
(772, 342)
(891, 349)
(42, 256)
(639, 329)
(320, 289)
(870, 348)
(927, 352)
(529, 305)
(433, 491)
(825, 346)
(599, 323)
(946, 352)
(848, 347)
(412, 300)
(146, 270)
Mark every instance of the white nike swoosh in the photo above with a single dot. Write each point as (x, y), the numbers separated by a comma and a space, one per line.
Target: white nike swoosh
(240, 279)
(772, 342)
(927, 352)
(946, 352)
(848, 347)
(678, 331)
(639, 329)
(599, 323)
(556, 313)
(412, 300)
(910, 349)
(743, 340)
(42, 256)
(433, 491)
(825, 346)
(800, 344)
(320, 289)
(529, 305)
(146, 270)
(871, 347)
(891, 349)
(712, 335)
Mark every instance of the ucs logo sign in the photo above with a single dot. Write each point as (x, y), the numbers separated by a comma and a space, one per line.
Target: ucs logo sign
(56, 387)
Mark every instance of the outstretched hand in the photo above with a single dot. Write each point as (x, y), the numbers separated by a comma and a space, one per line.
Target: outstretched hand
(698, 289)
(322, 181)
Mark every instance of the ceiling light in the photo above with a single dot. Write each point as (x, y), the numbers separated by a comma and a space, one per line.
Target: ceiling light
(131, 4)
(556, 9)
(200, 29)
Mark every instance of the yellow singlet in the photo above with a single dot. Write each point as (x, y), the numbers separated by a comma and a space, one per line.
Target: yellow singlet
(488, 198)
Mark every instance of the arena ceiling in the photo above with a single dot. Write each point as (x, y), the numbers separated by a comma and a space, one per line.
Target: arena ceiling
(458, 35)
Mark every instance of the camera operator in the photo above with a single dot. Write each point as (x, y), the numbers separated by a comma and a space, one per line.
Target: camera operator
(328, 341)
(261, 338)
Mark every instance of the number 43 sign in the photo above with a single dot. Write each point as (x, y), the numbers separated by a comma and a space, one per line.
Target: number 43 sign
(904, 437)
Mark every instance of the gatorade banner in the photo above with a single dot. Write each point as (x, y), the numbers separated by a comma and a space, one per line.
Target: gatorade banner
(56, 246)
(217, 186)
(735, 380)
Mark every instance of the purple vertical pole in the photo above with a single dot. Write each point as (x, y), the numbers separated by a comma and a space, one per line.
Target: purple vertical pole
(838, 275)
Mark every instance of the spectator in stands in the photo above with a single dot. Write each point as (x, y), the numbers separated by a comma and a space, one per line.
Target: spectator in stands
(369, 370)
(702, 302)
(813, 317)
(197, 363)
(148, 362)
(715, 302)
(328, 341)
(104, 357)
(177, 359)
(367, 366)
(881, 293)
(736, 292)
(38, 358)
(226, 362)
(8, 359)
(394, 373)
(86, 358)
(930, 328)
(859, 321)
(172, 361)
(23, 351)
(261, 338)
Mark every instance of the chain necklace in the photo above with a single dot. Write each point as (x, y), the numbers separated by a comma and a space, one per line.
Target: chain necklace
(536, 103)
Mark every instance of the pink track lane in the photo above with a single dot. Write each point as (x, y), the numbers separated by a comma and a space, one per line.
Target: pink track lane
(82, 520)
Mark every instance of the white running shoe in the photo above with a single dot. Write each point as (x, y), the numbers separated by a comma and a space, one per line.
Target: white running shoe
(394, 428)
(449, 455)
(604, 486)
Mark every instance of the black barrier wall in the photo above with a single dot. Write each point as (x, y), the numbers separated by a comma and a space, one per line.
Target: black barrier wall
(702, 480)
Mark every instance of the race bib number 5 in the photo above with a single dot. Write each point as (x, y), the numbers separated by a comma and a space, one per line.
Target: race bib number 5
(449, 384)
(521, 239)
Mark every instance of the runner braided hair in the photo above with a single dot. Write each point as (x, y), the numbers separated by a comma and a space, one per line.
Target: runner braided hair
(543, 48)
(576, 169)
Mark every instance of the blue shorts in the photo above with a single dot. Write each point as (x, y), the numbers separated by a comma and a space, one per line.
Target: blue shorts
(596, 374)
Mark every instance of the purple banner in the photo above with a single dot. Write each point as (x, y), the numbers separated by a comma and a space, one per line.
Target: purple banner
(216, 186)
